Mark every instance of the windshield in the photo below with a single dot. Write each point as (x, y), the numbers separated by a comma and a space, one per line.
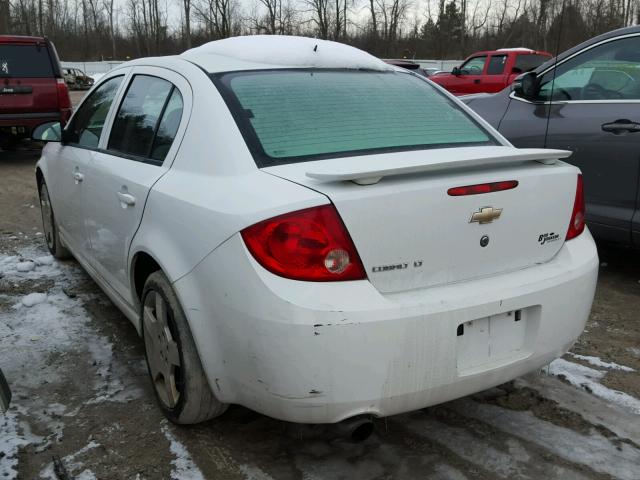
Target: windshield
(25, 61)
(291, 116)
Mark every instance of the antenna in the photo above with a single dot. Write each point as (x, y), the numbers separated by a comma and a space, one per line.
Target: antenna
(553, 78)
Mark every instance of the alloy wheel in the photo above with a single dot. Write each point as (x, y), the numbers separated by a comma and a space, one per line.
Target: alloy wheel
(163, 355)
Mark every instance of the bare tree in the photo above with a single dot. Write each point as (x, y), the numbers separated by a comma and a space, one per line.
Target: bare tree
(320, 16)
(186, 6)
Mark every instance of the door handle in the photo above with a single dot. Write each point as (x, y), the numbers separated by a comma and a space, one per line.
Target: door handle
(77, 177)
(477, 80)
(126, 199)
(620, 127)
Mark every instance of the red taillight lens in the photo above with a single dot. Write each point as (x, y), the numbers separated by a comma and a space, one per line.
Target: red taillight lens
(64, 102)
(576, 226)
(482, 188)
(311, 244)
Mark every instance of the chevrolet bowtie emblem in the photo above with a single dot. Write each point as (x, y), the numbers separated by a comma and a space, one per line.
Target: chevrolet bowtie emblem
(486, 215)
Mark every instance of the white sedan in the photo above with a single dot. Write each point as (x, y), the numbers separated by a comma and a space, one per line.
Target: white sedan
(295, 226)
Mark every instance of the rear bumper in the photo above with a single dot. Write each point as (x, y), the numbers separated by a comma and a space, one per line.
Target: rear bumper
(320, 353)
(22, 124)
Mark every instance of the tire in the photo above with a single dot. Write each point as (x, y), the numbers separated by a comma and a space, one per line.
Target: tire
(174, 366)
(50, 226)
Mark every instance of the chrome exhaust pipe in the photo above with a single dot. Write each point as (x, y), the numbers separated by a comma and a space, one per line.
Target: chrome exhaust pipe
(356, 429)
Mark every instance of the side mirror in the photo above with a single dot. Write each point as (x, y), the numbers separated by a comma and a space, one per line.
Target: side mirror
(526, 85)
(456, 71)
(48, 132)
(5, 394)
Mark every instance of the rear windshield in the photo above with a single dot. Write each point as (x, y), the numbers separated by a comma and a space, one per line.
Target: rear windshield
(526, 62)
(289, 116)
(25, 61)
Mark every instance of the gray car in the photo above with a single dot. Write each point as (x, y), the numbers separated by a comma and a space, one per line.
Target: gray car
(586, 100)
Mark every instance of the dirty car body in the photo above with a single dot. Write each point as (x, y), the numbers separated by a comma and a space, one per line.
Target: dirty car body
(333, 254)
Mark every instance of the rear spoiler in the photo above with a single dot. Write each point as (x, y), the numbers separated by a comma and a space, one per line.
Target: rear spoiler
(366, 170)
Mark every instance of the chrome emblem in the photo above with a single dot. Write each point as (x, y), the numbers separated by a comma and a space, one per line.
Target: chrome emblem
(486, 215)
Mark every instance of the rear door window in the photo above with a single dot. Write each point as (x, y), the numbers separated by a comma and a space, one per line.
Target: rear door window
(496, 64)
(25, 61)
(168, 127)
(138, 118)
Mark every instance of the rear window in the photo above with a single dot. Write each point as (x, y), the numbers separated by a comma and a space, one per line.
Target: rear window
(291, 116)
(526, 62)
(25, 61)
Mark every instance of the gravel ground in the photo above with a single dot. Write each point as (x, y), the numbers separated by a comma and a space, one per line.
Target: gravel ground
(81, 393)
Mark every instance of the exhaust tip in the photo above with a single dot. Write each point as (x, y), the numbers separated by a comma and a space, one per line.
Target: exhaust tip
(362, 431)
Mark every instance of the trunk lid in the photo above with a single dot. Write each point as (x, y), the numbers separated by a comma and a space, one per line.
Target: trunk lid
(410, 233)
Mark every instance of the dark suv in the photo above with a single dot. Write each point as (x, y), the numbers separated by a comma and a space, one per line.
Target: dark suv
(32, 87)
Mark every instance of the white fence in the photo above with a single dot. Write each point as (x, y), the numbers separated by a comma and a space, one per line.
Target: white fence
(99, 68)
(444, 65)
(92, 68)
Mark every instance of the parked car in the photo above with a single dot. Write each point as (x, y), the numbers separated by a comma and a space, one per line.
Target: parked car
(5, 394)
(585, 101)
(32, 88)
(490, 71)
(77, 79)
(297, 227)
(413, 66)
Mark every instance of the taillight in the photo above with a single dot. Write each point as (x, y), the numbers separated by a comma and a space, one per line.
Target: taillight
(576, 226)
(311, 244)
(64, 102)
(482, 188)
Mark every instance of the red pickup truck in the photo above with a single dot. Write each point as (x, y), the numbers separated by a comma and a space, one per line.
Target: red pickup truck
(490, 71)
(32, 88)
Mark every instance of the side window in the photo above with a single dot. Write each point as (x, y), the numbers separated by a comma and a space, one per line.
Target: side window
(89, 120)
(473, 66)
(168, 126)
(609, 71)
(137, 120)
(496, 64)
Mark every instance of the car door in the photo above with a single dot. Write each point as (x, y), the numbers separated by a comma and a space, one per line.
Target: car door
(69, 161)
(470, 78)
(590, 104)
(138, 150)
(495, 78)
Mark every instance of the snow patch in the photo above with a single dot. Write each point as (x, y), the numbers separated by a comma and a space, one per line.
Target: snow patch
(283, 51)
(587, 378)
(72, 464)
(596, 362)
(25, 266)
(33, 299)
(11, 439)
(184, 466)
(254, 473)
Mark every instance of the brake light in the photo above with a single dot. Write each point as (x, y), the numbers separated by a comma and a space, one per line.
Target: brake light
(64, 102)
(311, 244)
(482, 188)
(576, 226)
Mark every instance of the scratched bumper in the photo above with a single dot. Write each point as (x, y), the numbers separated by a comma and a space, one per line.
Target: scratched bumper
(323, 352)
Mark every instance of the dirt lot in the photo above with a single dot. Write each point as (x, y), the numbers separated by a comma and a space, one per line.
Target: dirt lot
(82, 393)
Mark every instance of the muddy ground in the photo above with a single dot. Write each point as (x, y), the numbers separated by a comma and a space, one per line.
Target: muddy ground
(81, 393)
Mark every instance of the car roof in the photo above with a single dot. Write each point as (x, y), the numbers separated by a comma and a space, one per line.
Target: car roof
(21, 39)
(506, 50)
(254, 52)
(592, 41)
